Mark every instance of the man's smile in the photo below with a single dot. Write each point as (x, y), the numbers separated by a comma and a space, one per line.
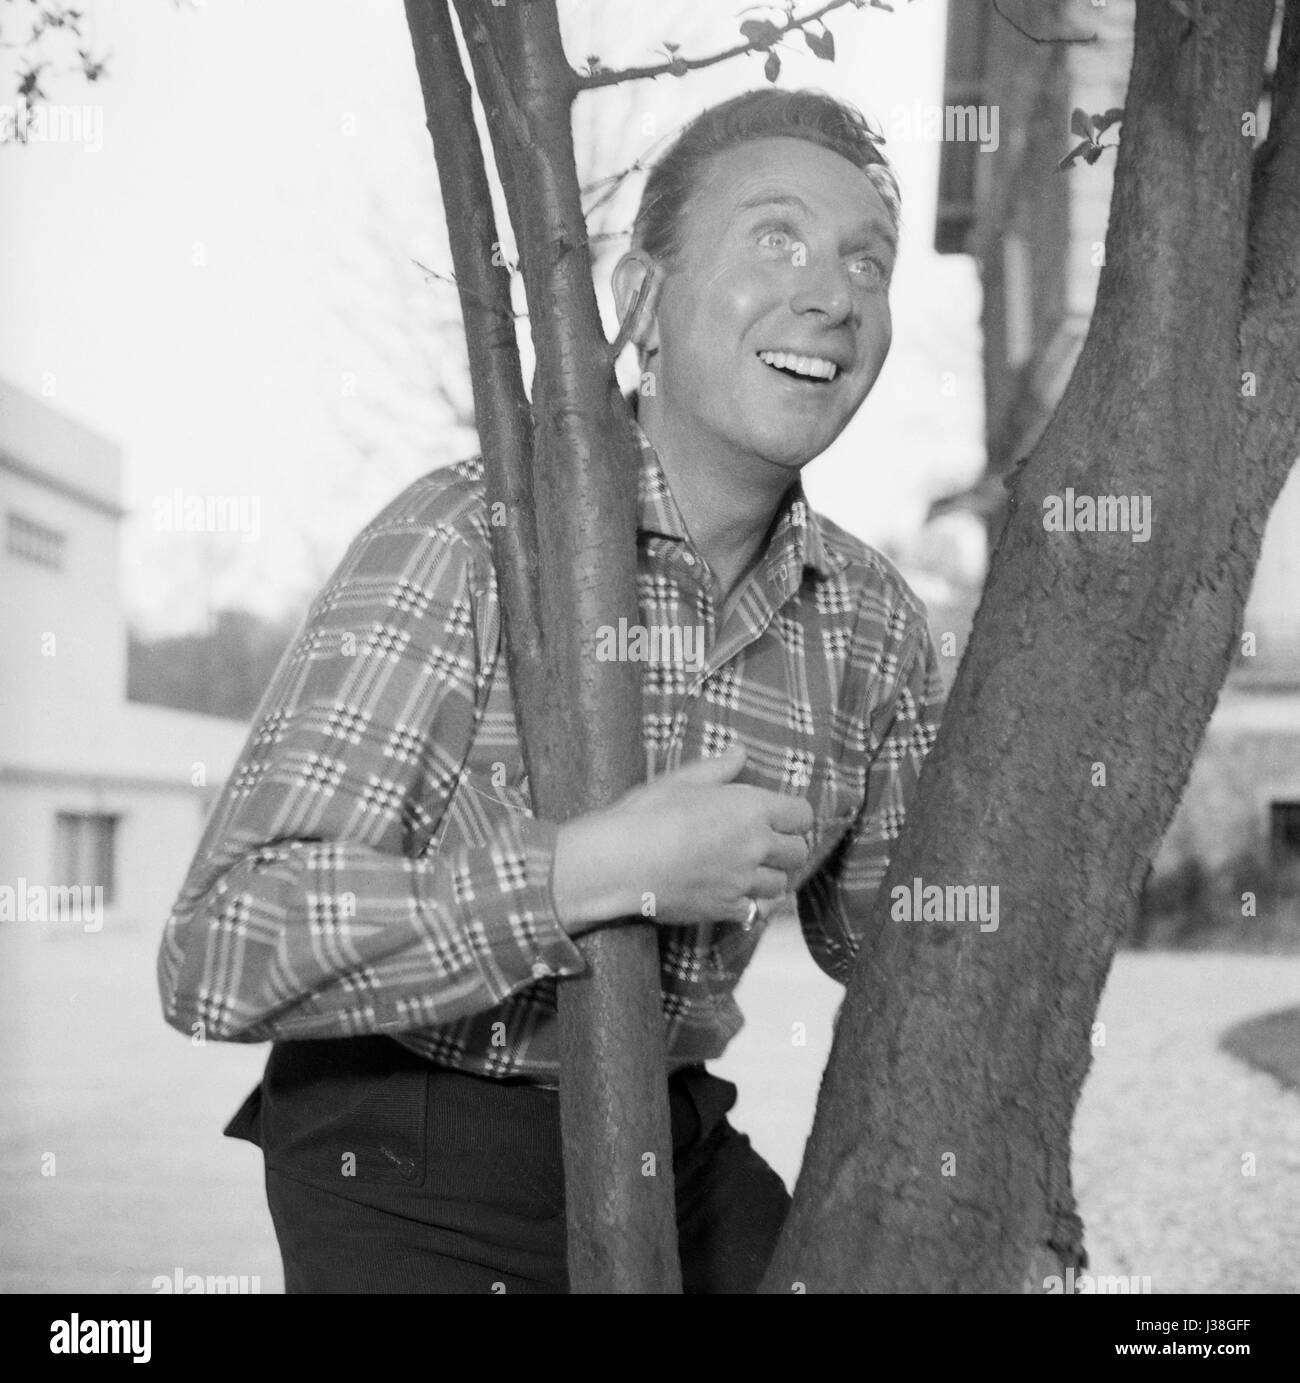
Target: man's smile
(811, 368)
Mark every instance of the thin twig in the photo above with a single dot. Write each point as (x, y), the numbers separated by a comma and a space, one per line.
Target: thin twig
(468, 292)
(611, 182)
(1040, 38)
(637, 165)
(612, 190)
(585, 81)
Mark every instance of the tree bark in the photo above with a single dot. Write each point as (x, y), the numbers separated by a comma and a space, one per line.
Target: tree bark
(939, 1157)
(566, 561)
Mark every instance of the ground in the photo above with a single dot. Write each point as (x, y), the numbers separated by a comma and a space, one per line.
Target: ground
(1186, 1159)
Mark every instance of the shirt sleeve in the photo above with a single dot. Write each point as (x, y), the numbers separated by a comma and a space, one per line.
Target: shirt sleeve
(834, 903)
(311, 908)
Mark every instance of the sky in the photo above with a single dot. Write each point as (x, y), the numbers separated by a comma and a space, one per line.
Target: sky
(220, 276)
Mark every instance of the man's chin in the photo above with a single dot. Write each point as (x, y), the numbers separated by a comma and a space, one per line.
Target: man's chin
(792, 450)
(790, 459)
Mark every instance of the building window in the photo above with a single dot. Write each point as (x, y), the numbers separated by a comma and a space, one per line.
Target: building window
(85, 853)
(33, 541)
(955, 219)
(1285, 832)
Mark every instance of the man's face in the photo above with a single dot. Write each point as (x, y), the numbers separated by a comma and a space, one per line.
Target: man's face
(774, 322)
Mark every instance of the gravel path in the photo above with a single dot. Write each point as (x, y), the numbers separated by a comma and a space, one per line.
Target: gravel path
(144, 1184)
(1186, 1160)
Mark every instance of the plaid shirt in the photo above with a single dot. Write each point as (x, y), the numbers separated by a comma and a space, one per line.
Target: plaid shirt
(373, 865)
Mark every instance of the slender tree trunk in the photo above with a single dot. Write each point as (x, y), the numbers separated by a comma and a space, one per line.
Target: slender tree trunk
(939, 1158)
(566, 562)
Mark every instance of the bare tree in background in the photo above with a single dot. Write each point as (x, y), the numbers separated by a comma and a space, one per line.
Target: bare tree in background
(396, 350)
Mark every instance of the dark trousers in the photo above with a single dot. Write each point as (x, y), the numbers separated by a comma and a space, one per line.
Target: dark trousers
(385, 1173)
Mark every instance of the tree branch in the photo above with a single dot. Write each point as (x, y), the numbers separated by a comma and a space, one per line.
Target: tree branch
(1269, 416)
(467, 292)
(501, 407)
(678, 67)
(1040, 38)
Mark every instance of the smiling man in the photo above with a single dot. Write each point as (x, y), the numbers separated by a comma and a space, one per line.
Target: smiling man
(767, 326)
(373, 893)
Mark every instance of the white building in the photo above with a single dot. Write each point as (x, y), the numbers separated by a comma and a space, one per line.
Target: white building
(95, 790)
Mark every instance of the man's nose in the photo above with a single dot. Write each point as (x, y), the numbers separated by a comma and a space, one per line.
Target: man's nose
(822, 284)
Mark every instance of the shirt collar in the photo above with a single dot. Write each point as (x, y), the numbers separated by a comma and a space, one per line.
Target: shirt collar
(797, 533)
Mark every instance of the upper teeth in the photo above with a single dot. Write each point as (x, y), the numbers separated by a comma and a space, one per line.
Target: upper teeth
(802, 364)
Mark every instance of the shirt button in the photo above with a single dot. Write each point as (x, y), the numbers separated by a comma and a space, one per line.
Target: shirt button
(688, 559)
(540, 970)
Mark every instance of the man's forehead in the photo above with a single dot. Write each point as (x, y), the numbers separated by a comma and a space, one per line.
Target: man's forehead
(798, 175)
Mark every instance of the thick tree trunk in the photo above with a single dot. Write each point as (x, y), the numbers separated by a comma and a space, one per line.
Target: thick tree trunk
(566, 562)
(939, 1159)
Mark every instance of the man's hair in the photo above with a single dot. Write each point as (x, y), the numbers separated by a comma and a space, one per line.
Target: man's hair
(767, 113)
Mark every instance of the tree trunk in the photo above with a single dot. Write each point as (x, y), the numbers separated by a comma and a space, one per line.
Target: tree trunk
(566, 560)
(939, 1158)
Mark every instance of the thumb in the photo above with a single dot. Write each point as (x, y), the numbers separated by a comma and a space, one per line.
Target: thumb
(721, 768)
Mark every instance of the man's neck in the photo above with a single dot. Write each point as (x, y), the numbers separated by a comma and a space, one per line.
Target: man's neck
(727, 509)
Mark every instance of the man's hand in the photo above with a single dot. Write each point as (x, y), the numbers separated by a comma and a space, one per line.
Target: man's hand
(692, 846)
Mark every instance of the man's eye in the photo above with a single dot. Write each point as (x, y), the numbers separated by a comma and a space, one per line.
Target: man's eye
(775, 239)
(872, 271)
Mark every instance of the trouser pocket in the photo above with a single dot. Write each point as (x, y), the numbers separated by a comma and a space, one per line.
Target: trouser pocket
(344, 1111)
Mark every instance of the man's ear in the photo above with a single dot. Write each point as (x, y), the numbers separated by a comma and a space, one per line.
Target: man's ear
(636, 282)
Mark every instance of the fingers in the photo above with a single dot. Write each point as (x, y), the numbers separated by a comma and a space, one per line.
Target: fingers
(769, 888)
(787, 852)
(769, 883)
(720, 769)
(791, 815)
(742, 912)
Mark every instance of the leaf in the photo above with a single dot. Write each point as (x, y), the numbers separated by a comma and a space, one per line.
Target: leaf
(821, 45)
(1093, 152)
(1112, 117)
(671, 47)
(772, 67)
(1069, 160)
(880, 5)
(1080, 123)
(29, 87)
(762, 33)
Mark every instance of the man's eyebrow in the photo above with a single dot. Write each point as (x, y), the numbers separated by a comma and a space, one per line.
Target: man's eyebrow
(874, 226)
(760, 199)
